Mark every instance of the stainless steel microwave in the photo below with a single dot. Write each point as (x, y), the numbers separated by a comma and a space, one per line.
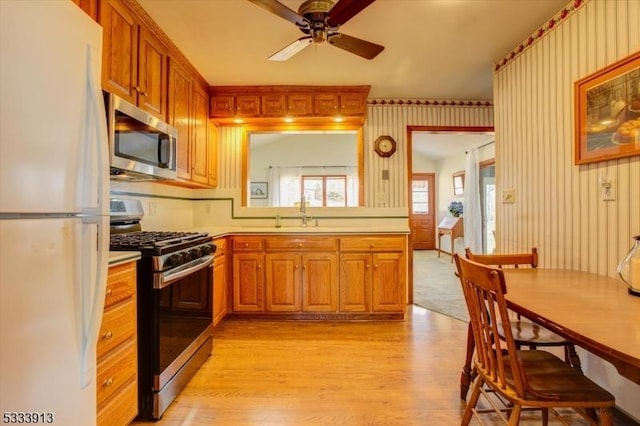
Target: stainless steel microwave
(142, 147)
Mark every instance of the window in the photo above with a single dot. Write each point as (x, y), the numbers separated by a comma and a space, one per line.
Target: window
(420, 196)
(325, 191)
(458, 183)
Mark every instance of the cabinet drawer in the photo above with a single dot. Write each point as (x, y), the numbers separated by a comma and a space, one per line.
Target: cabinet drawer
(247, 244)
(121, 283)
(371, 244)
(116, 369)
(122, 408)
(118, 324)
(301, 244)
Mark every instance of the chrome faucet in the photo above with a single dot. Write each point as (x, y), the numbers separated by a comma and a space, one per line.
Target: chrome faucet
(303, 210)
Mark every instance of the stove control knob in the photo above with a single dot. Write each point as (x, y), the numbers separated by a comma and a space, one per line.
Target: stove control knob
(195, 253)
(207, 249)
(175, 260)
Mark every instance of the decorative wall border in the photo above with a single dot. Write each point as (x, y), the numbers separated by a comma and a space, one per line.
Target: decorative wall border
(428, 102)
(563, 14)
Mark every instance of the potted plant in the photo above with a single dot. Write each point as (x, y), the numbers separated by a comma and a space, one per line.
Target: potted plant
(455, 208)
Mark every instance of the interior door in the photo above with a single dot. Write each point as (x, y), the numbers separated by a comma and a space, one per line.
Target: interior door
(422, 211)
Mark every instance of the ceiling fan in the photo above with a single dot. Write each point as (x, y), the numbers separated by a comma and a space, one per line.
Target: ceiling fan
(320, 20)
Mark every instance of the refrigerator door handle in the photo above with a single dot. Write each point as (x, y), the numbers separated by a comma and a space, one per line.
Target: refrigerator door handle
(94, 177)
(94, 279)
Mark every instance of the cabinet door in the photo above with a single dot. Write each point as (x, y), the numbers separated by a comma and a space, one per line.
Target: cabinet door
(247, 105)
(221, 106)
(212, 143)
(352, 104)
(326, 104)
(274, 105)
(355, 282)
(248, 282)
(152, 75)
(388, 282)
(319, 282)
(299, 105)
(180, 115)
(220, 290)
(282, 283)
(199, 136)
(120, 49)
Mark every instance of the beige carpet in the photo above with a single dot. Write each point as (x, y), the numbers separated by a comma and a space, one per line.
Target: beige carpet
(435, 285)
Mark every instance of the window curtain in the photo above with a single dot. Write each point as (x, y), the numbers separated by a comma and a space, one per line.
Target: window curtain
(472, 210)
(285, 184)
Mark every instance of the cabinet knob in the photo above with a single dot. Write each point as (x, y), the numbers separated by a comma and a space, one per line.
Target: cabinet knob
(367, 266)
(371, 245)
(300, 245)
(108, 335)
(108, 382)
(246, 244)
(109, 292)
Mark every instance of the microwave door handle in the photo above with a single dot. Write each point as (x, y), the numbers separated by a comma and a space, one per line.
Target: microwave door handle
(165, 141)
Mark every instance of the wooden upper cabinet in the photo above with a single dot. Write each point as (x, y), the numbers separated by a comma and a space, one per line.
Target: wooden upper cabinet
(300, 104)
(282, 105)
(342, 104)
(265, 104)
(134, 63)
(180, 115)
(89, 6)
(152, 74)
(120, 49)
(225, 106)
(212, 142)
(199, 135)
(326, 104)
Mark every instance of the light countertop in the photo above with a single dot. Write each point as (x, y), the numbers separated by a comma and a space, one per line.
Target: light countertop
(310, 230)
(117, 257)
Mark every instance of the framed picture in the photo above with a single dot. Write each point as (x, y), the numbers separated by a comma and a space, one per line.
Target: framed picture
(259, 189)
(607, 112)
(458, 183)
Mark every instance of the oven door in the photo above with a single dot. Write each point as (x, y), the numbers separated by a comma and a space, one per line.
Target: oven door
(175, 338)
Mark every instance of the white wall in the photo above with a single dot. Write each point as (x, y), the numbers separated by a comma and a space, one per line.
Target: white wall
(558, 207)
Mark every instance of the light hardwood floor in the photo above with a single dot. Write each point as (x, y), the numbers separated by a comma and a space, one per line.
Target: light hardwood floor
(331, 373)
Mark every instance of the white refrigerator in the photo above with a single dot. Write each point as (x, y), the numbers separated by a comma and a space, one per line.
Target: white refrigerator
(54, 225)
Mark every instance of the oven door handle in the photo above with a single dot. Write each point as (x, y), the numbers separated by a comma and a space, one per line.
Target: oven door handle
(163, 279)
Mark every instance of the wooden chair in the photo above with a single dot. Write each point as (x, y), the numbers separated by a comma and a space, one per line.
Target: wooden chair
(525, 378)
(526, 333)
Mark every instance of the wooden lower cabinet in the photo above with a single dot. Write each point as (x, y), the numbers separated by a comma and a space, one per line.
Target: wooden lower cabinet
(117, 350)
(372, 274)
(221, 293)
(319, 275)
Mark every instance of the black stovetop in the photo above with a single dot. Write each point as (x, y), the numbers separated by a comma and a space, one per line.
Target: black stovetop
(157, 242)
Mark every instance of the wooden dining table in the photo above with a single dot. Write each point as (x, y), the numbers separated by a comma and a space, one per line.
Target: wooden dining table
(595, 312)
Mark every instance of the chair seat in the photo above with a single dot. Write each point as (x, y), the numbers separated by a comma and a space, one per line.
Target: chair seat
(547, 374)
(531, 334)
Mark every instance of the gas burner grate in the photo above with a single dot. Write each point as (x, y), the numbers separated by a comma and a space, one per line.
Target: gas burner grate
(152, 240)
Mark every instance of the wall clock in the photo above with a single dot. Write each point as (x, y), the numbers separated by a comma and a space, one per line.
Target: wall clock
(385, 146)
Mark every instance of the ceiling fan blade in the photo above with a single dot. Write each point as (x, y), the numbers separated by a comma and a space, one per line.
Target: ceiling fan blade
(281, 10)
(292, 49)
(345, 10)
(356, 46)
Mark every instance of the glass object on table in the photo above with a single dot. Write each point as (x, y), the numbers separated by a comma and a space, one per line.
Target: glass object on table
(629, 268)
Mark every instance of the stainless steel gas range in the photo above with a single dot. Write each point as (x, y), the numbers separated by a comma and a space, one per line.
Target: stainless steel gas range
(175, 287)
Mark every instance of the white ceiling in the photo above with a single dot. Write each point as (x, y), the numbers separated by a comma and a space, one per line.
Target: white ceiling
(434, 49)
(446, 144)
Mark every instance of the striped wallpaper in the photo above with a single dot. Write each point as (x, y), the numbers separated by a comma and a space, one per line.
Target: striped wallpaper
(558, 206)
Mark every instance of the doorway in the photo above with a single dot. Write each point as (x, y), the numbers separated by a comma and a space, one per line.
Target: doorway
(488, 204)
(427, 146)
(422, 213)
